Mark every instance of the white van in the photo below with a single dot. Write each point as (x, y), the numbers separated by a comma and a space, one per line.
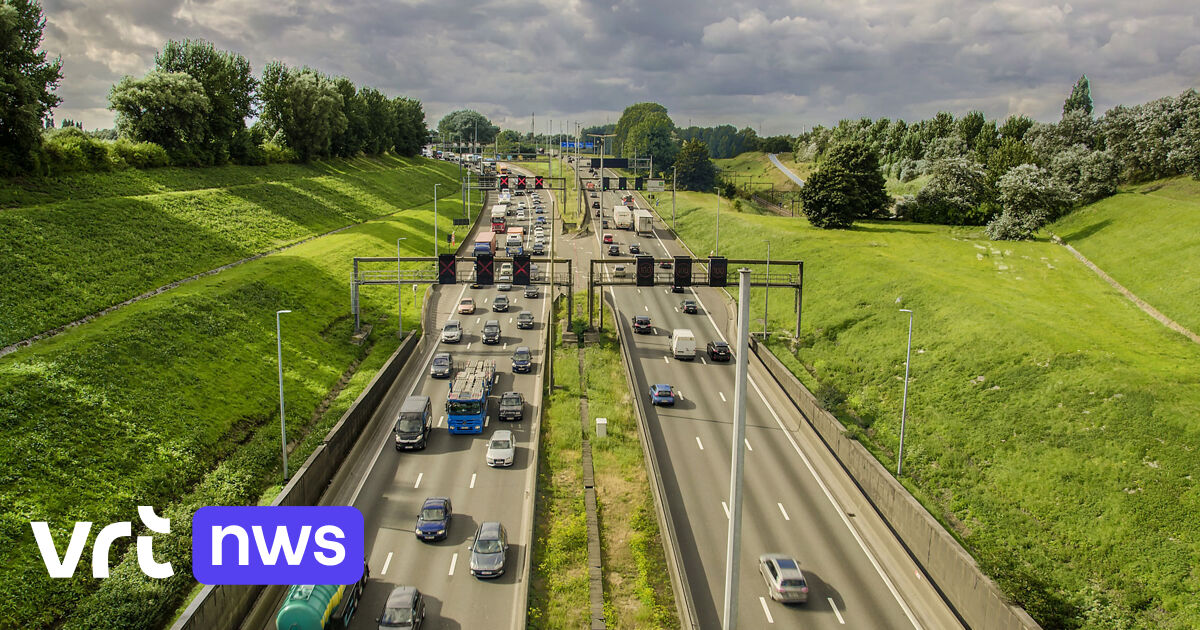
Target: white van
(683, 344)
(506, 269)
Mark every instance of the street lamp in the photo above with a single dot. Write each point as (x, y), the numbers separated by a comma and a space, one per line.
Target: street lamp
(282, 425)
(674, 183)
(904, 405)
(767, 290)
(399, 293)
(718, 250)
(435, 231)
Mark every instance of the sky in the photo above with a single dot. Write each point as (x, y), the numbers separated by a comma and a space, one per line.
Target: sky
(777, 66)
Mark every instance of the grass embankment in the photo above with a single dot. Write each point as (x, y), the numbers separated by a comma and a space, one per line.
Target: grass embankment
(755, 168)
(637, 588)
(171, 402)
(1051, 423)
(568, 206)
(1146, 237)
(78, 244)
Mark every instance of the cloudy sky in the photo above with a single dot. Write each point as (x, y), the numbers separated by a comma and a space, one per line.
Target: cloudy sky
(778, 66)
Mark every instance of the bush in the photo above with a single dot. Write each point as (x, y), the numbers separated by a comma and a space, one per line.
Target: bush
(905, 207)
(139, 154)
(954, 194)
(69, 150)
(276, 154)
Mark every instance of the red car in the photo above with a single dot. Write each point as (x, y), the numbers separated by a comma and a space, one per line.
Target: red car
(608, 239)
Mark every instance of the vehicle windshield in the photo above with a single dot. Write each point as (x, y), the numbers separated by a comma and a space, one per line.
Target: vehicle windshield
(491, 329)
(641, 319)
(433, 514)
(441, 361)
(792, 583)
(521, 356)
(408, 424)
(451, 327)
(395, 616)
(456, 408)
(501, 444)
(511, 398)
(487, 546)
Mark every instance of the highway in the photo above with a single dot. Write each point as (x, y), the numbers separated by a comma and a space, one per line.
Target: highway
(797, 500)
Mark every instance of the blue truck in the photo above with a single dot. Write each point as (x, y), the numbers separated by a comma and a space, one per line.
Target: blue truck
(466, 402)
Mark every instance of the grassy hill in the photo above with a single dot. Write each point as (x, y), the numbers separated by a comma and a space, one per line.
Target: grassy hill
(762, 172)
(171, 401)
(1147, 237)
(75, 245)
(1052, 424)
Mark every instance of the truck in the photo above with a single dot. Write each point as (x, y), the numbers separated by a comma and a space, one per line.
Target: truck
(466, 402)
(683, 344)
(643, 221)
(320, 606)
(505, 196)
(622, 217)
(485, 243)
(515, 241)
(499, 218)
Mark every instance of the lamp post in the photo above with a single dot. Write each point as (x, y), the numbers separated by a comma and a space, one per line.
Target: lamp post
(904, 405)
(435, 231)
(399, 293)
(718, 250)
(282, 424)
(674, 183)
(767, 290)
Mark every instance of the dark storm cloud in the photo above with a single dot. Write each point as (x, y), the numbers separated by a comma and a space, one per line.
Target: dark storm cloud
(776, 64)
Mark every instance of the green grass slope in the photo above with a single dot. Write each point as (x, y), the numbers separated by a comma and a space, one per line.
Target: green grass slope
(1147, 238)
(171, 402)
(90, 241)
(758, 166)
(1052, 424)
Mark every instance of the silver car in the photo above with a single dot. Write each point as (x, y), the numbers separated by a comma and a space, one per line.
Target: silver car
(502, 449)
(784, 579)
(452, 332)
(488, 550)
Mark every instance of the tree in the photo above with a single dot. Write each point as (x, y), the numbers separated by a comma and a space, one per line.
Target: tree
(1088, 175)
(410, 131)
(1080, 99)
(862, 162)
(228, 84)
(848, 186)
(379, 130)
(303, 108)
(27, 84)
(1030, 197)
(694, 168)
(349, 142)
(628, 120)
(654, 136)
(169, 109)
(1015, 126)
(467, 125)
(1010, 153)
(955, 195)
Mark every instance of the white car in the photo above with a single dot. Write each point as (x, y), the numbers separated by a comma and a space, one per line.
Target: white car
(452, 332)
(502, 449)
(520, 215)
(538, 232)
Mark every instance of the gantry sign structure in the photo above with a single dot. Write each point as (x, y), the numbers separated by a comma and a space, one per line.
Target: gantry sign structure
(681, 272)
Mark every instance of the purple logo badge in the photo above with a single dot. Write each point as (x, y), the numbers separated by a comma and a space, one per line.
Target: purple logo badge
(277, 545)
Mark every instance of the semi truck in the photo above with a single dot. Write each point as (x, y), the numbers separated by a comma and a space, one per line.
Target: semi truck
(321, 606)
(623, 217)
(499, 218)
(643, 221)
(466, 402)
(485, 243)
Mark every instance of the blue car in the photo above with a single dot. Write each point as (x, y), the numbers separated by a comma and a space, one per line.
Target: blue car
(522, 360)
(434, 520)
(662, 395)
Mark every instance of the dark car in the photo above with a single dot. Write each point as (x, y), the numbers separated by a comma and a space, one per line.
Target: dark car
(614, 250)
(405, 608)
(675, 288)
(641, 324)
(662, 395)
(719, 351)
(488, 550)
(522, 360)
(539, 248)
(596, 205)
(635, 248)
(512, 406)
(689, 307)
(433, 523)
(442, 365)
(525, 320)
(531, 291)
(491, 332)
(500, 303)
(666, 264)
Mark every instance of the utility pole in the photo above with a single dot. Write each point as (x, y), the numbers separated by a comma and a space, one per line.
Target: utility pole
(435, 230)
(904, 405)
(602, 137)
(733, 546)
(399, 293)
(674, 183)
(282, 424)
(718, 250)
(767, 290)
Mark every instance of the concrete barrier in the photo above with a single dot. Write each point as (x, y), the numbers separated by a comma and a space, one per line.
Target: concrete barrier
(976, 598)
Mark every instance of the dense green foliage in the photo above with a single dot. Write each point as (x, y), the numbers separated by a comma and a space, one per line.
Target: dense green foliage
(170, 401)
(1030, 197)
(847, 186)
(653, 135)
(228, 85)
(629, 119)
(466, 125)
(169, 109)
(27, 83)
(694, 170)
(1051, 423)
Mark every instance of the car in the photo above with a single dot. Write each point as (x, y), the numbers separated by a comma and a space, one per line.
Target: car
(442, 366)
(491, 332)
(608, 239)
(520, 215)
(506, 269)
(641, 324)
(531, 291)
(614, 250)
(534, 272)
(512, 406)
(666, 264)
(785, 580)
(719, 351)
(522, 360)
(539, 248)
(521, 205)
(404, 608)
(452, 332)
(539, 209)
(504, 286)
(635, 248)
(594, 195)
(488, 550)
(539, 232)
(413, 423)
(662, 394)
(675, 288)
(525, 320)
(466, 306)
(500, 303)
(619, 271)
(501, 449)
(433, 522)
(520, 193)
(596, 205)
(541, 220)
(689, 307)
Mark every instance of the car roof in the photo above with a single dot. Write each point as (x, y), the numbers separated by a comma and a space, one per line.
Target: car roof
(490, 529)
(662, 387)
(402, 596)
(520, 348)
(437, 501)
(492, 322)
(468, 299)
(640, 317)
(501, 434)
(524, 313)
(442, 355)
(452, 322)
(788, 567)
(512, 395)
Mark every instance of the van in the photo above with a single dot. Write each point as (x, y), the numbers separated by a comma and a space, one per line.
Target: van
(414, 423)
(506, 269)
(683, 344)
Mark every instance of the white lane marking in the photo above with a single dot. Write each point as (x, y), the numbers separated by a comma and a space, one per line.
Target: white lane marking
(469, 345)
(506, 345)
(676, 309)
(667, 291)
(386, 563)
(725, 506)
(473, 480)
(667, 360)
(647, 308)
(836, 611)
(440, 420)
(510, 320)
(486, 420)
(748, 447)
(722, 395)
(766, 611)
(703, 361)
(699, 443)
(785, 514)
(419, 477)
(639, 290)
(477, 319)
(453, 561)
(678, 395)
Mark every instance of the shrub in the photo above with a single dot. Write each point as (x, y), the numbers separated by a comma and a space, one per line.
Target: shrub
(277, 154)
(69, 150)
(139, 154)
(954, 194)
(905, 207)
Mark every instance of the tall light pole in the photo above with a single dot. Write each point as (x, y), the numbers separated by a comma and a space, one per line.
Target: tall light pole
(904, 405)
(399, 293)
(674, 183)
(435, 231)
(718, 250)
(282, 424)
(767, 290)
(733, 546)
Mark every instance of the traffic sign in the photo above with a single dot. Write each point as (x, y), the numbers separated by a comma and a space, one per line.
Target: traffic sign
(645, 271)
(683, 271)
(484, 269)
(446, 269)
(521, 270)
(717, 271)
(656, 185)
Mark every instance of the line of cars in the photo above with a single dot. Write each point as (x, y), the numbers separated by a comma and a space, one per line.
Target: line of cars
(489, 546)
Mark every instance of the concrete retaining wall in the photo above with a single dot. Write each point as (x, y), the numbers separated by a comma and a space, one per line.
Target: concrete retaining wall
(974, 595)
